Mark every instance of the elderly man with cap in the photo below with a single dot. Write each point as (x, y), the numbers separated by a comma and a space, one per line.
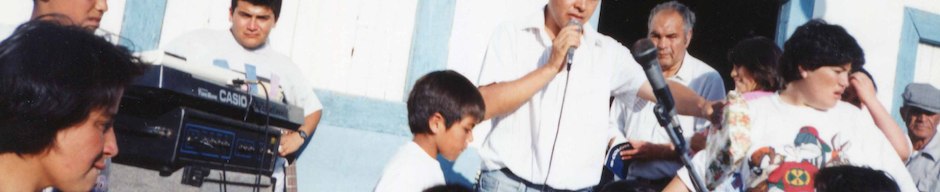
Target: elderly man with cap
(920, 114)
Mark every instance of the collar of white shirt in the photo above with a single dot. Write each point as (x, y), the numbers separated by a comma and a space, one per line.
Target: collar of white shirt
(932, 150)
(535, 23)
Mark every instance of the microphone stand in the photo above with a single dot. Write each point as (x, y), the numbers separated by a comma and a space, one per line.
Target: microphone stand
(644, 52)
(667, 118)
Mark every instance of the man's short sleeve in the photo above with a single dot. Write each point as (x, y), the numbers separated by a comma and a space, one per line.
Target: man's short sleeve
(311, 102)
(714, 88)
(628, 75)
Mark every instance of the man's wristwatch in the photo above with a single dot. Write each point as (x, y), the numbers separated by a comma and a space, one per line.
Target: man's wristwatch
(302, 134)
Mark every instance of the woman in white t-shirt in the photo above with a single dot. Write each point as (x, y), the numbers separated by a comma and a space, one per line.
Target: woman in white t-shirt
(804, 127)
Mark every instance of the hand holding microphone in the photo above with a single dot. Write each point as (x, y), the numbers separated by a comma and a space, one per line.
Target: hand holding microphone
(565, 43)
(569, 57)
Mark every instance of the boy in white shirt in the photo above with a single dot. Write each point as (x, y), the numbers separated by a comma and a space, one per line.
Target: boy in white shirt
(443, 108)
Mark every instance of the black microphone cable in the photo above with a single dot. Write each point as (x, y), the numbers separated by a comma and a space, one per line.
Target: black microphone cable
(561, 112)
(267, 125)
(239, 82)
(569, 59)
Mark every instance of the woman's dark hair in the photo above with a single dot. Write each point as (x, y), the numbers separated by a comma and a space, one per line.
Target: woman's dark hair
(816, 44)
(52, 76)
(759, 56)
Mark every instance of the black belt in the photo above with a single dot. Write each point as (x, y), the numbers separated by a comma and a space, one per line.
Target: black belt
(541, 187)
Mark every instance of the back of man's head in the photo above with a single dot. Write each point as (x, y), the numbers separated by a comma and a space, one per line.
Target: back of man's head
(445, 92)
(817, 44)
(274, 5)
(52, 76)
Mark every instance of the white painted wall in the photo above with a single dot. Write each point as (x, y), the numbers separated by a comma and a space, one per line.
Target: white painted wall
(928, 64)
(358, 47)
(14, 12)
(928, 56)
(927, 5)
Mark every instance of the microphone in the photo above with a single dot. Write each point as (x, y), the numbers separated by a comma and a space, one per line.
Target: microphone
(569, 57)
(645, 53)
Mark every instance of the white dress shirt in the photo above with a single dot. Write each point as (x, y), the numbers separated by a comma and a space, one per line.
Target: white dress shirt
(523, 141)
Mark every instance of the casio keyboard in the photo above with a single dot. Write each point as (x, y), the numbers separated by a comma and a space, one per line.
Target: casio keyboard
(170, 119)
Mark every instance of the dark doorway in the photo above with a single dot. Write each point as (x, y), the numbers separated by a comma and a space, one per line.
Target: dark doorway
(719, 25)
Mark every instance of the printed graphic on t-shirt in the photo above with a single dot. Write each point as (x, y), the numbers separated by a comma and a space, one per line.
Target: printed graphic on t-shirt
(792, 167)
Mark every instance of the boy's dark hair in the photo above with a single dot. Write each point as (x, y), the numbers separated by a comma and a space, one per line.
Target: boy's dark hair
(275, 6)
(446, 92)
(52, 76)
(852, 178)
(760, 56)
(816, 44)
